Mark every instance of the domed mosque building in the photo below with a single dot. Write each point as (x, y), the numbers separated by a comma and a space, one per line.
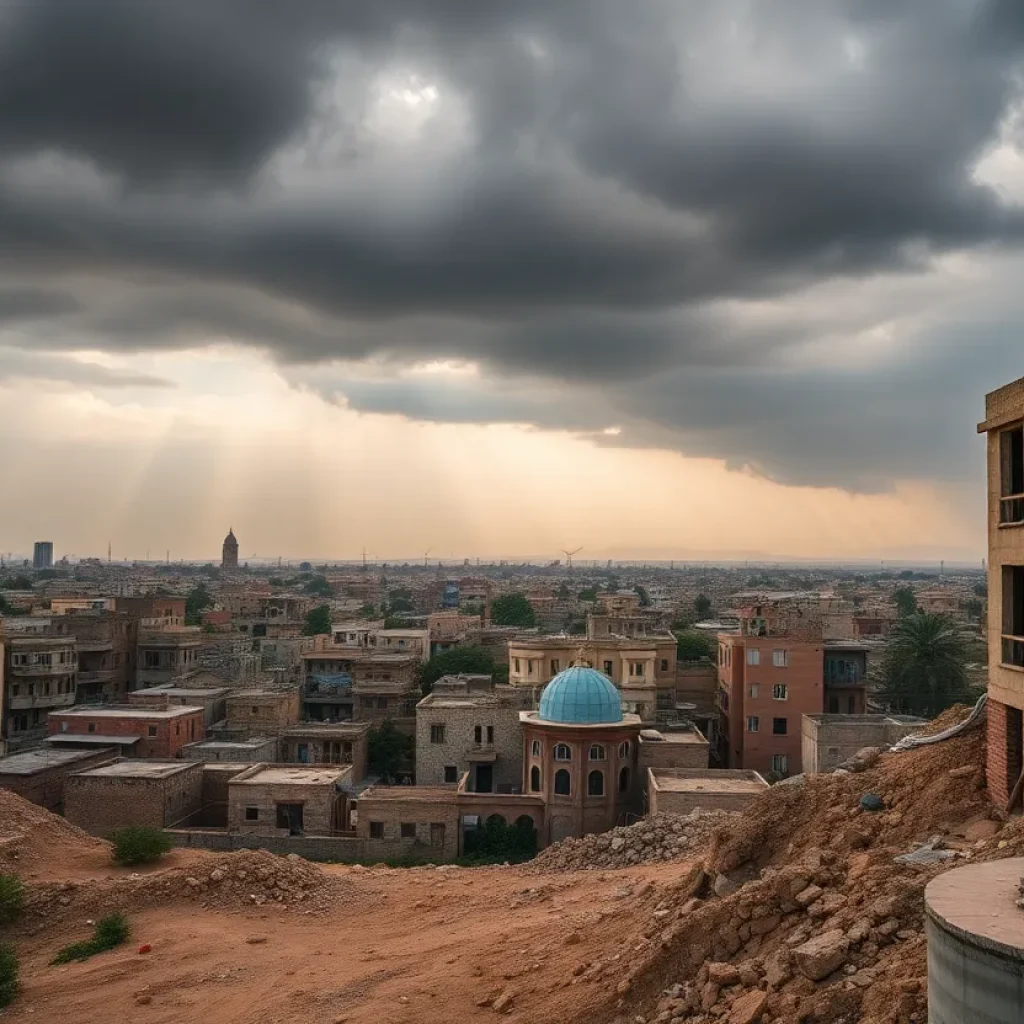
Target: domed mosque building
(580, 754)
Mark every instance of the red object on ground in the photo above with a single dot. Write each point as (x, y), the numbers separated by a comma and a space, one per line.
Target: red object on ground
(145, 948)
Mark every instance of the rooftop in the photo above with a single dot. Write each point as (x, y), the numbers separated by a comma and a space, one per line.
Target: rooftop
(253, 743)
(140, 769)
(691, 736)
(853, 720)
(76, 739)
(127, 711)
(453, 701)
(31, 761)
(195, 692)
(292, 775)
(327, 729)
(425, 794)
(713, 780)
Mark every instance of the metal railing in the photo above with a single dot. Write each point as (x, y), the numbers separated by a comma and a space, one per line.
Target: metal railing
(50, 700)
(1013, 650)
(1011, 509)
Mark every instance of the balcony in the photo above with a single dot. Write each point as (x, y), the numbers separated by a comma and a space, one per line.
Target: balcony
(48, 701)
(1013, 651)
(66, 668)
(1011, 510)
(98, 677)
(847, 677)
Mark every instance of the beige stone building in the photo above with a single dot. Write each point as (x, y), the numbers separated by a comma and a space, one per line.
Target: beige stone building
(682, 790)
(167, 656)
(343, 743)
(1004, 427)
(38, 775)
(828, 740)
(463, 727)
(41, 674)
(261, 712)
(681, 746)
(288, 799)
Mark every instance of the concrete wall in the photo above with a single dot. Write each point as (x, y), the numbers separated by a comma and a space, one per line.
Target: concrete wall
(828, 740)
(215, 793)
(667, 801)
(420, 813)
(260, 713)
(668, 754)
(460, 744)
(323, 808)
(100, 804)
(342, 849)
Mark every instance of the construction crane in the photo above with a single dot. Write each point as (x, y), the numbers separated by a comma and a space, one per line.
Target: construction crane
(569, 554)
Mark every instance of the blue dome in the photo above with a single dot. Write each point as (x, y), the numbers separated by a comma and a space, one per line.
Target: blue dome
(580, 696)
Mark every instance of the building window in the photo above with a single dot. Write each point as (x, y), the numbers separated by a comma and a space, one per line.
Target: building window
(597, 752)
(753, 723)
(595, 783)
(563, 752)
(515, 666)
(407, 830)
(1011, 451)
(151, 730)
(753, 656)
(529, 666)
(536, 748)
(554, 666)
(451, 773)
(780, 691)
(636, 669)
(780, 764)
(755, 690)
(780, 659)
(624, 750)
(376, 829)
(437, 734)
(563, 782)
(490, 734)
(534, 779)
(664, 664)
(1013, 615)
(624, 780)
(780, 726)
(252, 814)
(608, 668)
(91, 727)
(478, 734)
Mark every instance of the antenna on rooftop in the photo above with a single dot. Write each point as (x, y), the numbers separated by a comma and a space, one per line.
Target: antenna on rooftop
(568, 554)
(425, 554)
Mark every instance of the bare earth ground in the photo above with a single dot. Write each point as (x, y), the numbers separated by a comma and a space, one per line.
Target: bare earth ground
(408, 947)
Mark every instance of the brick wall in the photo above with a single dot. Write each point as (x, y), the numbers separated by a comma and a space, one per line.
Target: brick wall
(46, 787)
(261, 713)
(171, 734)
(99, 804)
(1005, 743)
(427, 818)
(323, 808)
(666, 754)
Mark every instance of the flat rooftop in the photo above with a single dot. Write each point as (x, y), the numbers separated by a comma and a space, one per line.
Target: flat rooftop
(327, 729)
(127, 711)
(426, 794)
(93, 739)
(253, 743)
(691, 736)
(454, 701)
(193, 692)
(140, 769)
(853, 720)
(293, 775)
(681, 780)
(31, 761)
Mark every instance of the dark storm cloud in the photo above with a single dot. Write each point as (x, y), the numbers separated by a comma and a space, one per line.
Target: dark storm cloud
(597, 181)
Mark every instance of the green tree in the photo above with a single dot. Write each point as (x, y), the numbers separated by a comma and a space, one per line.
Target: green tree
(401, 604)
(924, 669)
(474, 660)
(563, 593)
(702, 606)
(512, 610)
(389, 752)
(905, 600)
(198, 598)
(645, 598)
(694, 646)
(981, 590)
(318, 621)
(587, 594)
(318, 585)
(16, 583)
(368, 610)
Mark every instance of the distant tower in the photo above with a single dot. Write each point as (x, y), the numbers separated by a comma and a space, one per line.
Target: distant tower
(42, 555)
(229, 556)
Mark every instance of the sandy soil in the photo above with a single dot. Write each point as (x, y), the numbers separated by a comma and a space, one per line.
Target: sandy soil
(409, 947)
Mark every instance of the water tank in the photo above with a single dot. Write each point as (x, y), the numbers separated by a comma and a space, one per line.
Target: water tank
(976, 945)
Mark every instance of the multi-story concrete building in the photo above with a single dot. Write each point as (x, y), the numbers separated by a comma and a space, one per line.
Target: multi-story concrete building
(642, 667)
(141, 732)
(107, 646)
(463, 727)
(42, 554)
(261, 712)
(328, 743)
(773, 671)
(153, 612)
(1004, 426)
(354, 683)
(40, 676)
(167, 656)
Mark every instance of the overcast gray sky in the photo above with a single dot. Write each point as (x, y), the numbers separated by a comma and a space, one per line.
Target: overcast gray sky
(761, 248)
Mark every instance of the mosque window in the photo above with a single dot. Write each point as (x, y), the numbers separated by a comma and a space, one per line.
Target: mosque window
(563, 782)
(563, 752)
(595, 783)
(597, 752)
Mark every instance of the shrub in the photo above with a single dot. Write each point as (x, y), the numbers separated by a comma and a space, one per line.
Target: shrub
(12, 898)
(139, 844)
(8, 973)
(109, 932)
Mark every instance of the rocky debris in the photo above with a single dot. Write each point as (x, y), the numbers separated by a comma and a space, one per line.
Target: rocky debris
(932, 852)
(864, 759)
(662, 837)
(30, 836)
(819, 957)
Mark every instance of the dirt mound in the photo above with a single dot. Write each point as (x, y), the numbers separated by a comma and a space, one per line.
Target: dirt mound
(804, 913)
(31, 838)
(662, 837)
(247, 878)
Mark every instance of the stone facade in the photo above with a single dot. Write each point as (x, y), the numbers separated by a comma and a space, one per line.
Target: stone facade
(212, 700)
(152, 793)
(262, 712)
(326, 743)
(417, 821)
(166, 656)
(680, 790)
(276, 799)
(829, 740)
(682, 747)
(38, 775)
(254, 750)
(459, 732)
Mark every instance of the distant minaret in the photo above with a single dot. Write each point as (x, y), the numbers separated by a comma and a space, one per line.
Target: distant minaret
(229, 553)
(108, 553)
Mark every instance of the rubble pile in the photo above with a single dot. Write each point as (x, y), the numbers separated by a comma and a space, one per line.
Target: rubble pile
(247, 878)
(805, 908)
(662, 837)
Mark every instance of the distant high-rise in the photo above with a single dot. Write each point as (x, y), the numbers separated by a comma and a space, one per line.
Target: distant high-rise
(229, 555)
(42, 555)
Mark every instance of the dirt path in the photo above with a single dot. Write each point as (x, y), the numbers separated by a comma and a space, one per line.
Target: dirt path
(411, 947)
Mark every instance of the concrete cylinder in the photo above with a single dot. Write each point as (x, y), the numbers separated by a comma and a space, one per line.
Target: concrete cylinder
(976, 945)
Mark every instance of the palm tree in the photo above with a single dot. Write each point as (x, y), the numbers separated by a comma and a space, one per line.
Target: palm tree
(924, 670)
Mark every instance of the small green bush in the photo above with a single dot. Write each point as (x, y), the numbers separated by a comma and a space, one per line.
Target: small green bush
(8, 973)
(12, 898)
(139, 844)
(109, 932)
